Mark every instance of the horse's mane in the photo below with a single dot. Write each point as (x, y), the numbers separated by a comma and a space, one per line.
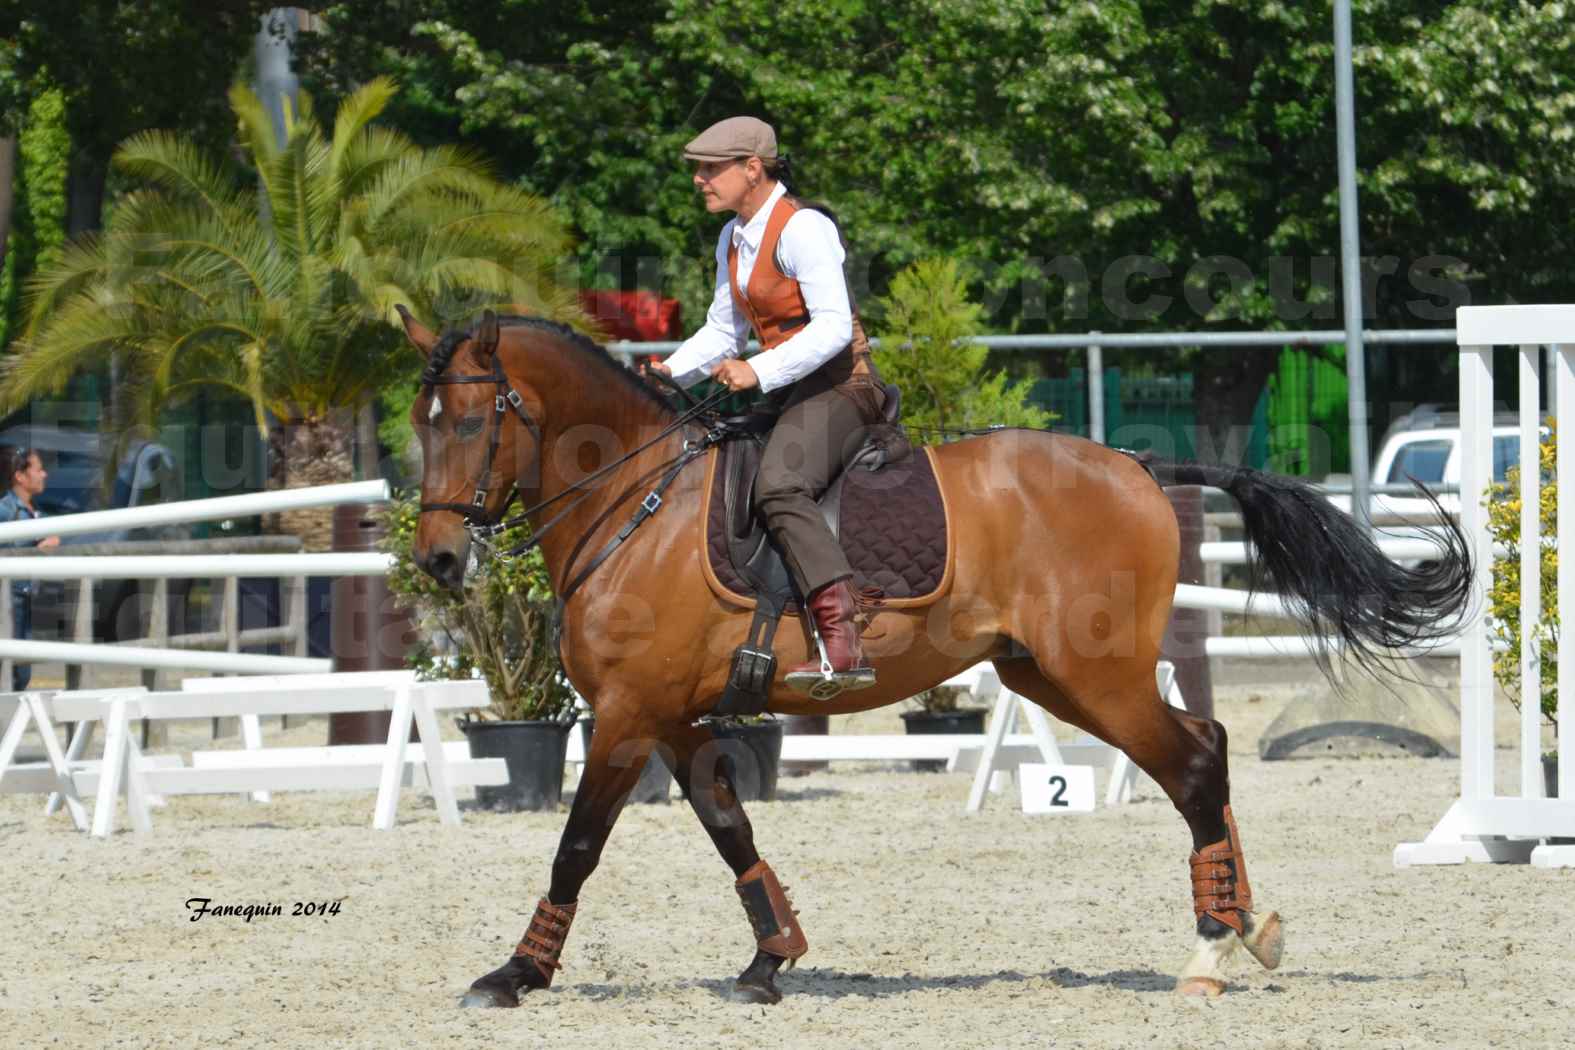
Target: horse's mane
(443, 352)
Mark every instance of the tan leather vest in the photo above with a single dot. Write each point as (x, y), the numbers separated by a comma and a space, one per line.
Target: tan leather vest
(774, 303)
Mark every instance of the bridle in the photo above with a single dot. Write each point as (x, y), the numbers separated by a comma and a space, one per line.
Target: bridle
(482, 526)
(475, 512)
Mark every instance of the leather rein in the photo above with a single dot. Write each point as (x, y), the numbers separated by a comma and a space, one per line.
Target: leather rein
(483, 526)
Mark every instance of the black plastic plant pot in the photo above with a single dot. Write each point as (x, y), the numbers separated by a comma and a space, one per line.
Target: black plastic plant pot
(534, 753)
(756, 752)
(655, 783)
(967, 720)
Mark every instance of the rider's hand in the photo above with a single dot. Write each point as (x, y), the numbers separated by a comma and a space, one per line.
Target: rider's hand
(654, 365)
(736, 375)
(48, 542)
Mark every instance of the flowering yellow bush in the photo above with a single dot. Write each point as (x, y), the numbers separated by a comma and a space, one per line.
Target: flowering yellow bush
(1503, 507)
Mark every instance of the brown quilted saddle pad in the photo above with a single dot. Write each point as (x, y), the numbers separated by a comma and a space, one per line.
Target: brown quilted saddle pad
(893, 526)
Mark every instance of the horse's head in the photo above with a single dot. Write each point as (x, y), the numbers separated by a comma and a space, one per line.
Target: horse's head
(475, 442)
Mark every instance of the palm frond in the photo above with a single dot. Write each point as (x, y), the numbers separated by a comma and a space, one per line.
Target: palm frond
(257, 131)
(354, 115)
(367, 156)
(81, 333)
(179, 165)
(80, 264)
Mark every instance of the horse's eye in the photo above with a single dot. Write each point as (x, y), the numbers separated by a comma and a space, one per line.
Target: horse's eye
(469, 428)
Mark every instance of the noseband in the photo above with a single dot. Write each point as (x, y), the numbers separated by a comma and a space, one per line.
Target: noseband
(506, 398)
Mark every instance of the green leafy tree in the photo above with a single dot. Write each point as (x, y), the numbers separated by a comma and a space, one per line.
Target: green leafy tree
(285, 295)
(1503, 507)
(1136, 166)
(39, 202)
(925, 350)
(501, 626)
(124, 66)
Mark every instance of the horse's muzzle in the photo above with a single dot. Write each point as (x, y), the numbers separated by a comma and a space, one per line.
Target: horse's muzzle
(445, 566)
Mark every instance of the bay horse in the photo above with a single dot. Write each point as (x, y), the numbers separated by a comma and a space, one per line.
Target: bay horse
(1064, 572)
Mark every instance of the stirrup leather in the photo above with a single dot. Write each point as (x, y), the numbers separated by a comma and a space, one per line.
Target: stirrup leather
(771, 914)
(1219, 879)
(543, 941)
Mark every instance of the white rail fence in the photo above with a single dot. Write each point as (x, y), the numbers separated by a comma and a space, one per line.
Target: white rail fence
(1482, 824)
(223, 571)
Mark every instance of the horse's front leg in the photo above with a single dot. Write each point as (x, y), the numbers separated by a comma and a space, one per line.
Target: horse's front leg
(704, 772)
(611, 770)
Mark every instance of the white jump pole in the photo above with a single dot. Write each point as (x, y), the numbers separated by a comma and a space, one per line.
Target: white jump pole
(195, 510)
(193, 566)
(164, 659)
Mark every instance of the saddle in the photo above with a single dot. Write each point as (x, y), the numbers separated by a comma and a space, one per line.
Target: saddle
(885, 508)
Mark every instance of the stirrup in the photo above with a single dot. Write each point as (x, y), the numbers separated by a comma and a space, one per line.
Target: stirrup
(827, 684)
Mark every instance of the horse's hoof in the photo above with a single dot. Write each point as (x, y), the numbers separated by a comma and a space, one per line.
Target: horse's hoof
(1205, 987)
(1266, 942)
(755, 993)
(488, 996)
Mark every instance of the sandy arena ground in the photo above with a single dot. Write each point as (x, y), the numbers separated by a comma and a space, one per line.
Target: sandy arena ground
(927, 928)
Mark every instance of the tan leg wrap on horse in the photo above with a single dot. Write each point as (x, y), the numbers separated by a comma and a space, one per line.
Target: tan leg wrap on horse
(544, 937)
(771, 914)
(1219, 879)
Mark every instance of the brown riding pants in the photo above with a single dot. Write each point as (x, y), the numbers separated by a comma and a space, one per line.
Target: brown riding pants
(822, 425)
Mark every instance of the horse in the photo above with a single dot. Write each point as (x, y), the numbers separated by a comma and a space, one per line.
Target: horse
(1064, 572)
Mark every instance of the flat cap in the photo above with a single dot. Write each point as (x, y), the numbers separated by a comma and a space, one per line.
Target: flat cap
(733, 137)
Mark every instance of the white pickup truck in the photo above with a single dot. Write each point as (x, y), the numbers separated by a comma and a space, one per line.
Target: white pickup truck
(1425, 445)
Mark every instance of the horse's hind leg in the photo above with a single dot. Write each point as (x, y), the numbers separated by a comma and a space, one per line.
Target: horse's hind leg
(1186, 757)
(704, 772)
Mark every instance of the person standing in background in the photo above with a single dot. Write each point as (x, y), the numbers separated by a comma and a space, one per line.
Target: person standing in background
(27, 476)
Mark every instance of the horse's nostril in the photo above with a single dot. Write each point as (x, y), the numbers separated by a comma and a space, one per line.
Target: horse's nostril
(446, 568)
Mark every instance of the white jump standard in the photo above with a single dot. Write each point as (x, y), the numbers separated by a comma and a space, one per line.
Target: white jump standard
(1482, 825)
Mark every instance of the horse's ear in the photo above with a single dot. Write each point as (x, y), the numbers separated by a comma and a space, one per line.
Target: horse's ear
(420, 336)
(484, 341)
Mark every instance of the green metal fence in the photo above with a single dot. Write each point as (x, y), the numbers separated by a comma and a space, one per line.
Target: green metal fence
(1148, 413)
(1309, 414)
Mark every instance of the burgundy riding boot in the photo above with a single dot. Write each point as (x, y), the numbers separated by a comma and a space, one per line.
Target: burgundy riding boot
(833, 609)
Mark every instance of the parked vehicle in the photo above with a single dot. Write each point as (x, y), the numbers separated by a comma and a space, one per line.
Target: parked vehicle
(147, 473)
(1425, 444)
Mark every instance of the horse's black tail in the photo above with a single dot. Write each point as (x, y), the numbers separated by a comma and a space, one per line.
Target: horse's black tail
(1329, 571)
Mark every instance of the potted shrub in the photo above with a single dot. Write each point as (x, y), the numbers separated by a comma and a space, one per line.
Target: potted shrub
(499, 628)
(939, 713)
(1503, 507)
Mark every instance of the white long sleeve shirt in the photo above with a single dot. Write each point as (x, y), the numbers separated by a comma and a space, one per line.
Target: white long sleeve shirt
(808, 251)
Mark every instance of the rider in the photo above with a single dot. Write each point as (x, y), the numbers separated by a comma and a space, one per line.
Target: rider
(779, 272)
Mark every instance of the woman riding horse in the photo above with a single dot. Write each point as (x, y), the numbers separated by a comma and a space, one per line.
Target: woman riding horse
(779, 272)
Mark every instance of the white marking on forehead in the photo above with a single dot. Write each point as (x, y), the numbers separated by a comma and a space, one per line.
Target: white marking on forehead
(436, 409)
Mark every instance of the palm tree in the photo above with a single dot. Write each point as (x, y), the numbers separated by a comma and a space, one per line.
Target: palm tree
(279, 282)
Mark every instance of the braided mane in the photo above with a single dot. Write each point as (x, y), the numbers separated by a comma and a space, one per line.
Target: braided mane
(442, 354)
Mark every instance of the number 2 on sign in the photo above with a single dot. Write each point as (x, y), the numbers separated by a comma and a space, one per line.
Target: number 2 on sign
(1059, 796)
(1056, 789)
